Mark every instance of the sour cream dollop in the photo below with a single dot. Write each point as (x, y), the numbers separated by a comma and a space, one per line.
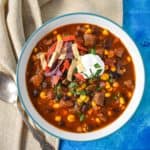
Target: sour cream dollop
(93, 65)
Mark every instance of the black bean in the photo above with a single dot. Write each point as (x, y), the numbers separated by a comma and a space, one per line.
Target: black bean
(107, 43)
(115, 75)
(35, 93)
(116, 110)
(49, 110)
(84, 108)
(65, 97)
(61, 123)
(44, 84)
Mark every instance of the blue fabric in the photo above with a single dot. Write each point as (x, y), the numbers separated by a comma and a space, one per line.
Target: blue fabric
(135, 135)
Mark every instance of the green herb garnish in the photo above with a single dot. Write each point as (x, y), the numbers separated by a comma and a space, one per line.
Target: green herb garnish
(81, 92)
(75, 70)
(58, 96)
(98, 88)
(92, 51)
(82, 117)
(98, 72)
(97, 65)
(58, 91)
(72, 85)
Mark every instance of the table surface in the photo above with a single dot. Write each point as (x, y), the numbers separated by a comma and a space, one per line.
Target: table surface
(135, 134)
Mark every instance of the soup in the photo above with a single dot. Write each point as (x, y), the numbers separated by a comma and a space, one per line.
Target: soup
(80, 77)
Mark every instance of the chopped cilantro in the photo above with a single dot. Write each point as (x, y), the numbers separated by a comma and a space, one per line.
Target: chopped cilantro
(82, 117)
(97, 65)
(92, 51)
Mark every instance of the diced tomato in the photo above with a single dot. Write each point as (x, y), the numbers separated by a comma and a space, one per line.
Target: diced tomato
(79, 76)
(68, 38)
(80, 47)
(66, 65)
(55, 80)
(47, 69)
(51, 50)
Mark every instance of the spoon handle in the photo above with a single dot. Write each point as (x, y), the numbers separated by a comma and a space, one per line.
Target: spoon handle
(37, 134)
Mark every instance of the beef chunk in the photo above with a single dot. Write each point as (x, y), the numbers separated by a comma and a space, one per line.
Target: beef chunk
(100, 51)
(89, 39)
(50, 94)
(99, 98)
(129, 84)
(65, 104)
(37, 79)
(110, 61)
(47, 41)
(102, 117)
(119, 52)
(108, 43)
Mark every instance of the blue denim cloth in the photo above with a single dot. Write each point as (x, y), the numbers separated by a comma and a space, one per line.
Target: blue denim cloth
(135, 135)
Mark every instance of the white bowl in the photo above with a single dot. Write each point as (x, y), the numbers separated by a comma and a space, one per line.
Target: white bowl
(70, 19)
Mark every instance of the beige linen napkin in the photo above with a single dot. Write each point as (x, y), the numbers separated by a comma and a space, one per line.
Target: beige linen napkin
(20, 20)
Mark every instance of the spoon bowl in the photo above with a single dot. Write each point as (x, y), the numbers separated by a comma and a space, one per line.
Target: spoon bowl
(8, 89)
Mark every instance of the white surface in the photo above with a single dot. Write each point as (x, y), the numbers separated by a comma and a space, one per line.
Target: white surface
(139, 86)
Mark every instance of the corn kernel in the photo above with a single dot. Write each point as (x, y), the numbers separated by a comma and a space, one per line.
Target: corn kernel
(90, 111)
(71, 118)
(56, 105)
(111, 54)
(121, 100)
(84, 129)
(69, 94)
(59, 37)
(35, 50)
(79, 129)
(86, 25)
(106, 52)
(128, 58)
(107, 86)
(88, 30)
(79, 101)
(58, 118)
(93, 103)
(83, 97)
(78, 89)
(34, 58)
(87, 99)
(109, 113)
(43, 95)
(55, 32)
(83, 86)
(105, 76)
(106, 67)
(122, 107)
(107, 94)
(129, 94)
(115, 84)
(113, 68)
(64, 112)
(98, 120)
(124, 70)
(110, 89)
(105, 32)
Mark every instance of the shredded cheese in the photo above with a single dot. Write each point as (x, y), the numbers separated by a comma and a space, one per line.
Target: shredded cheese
(77, 56)
(56, 53)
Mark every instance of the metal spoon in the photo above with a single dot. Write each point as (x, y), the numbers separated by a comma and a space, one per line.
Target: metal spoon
(8, 93)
